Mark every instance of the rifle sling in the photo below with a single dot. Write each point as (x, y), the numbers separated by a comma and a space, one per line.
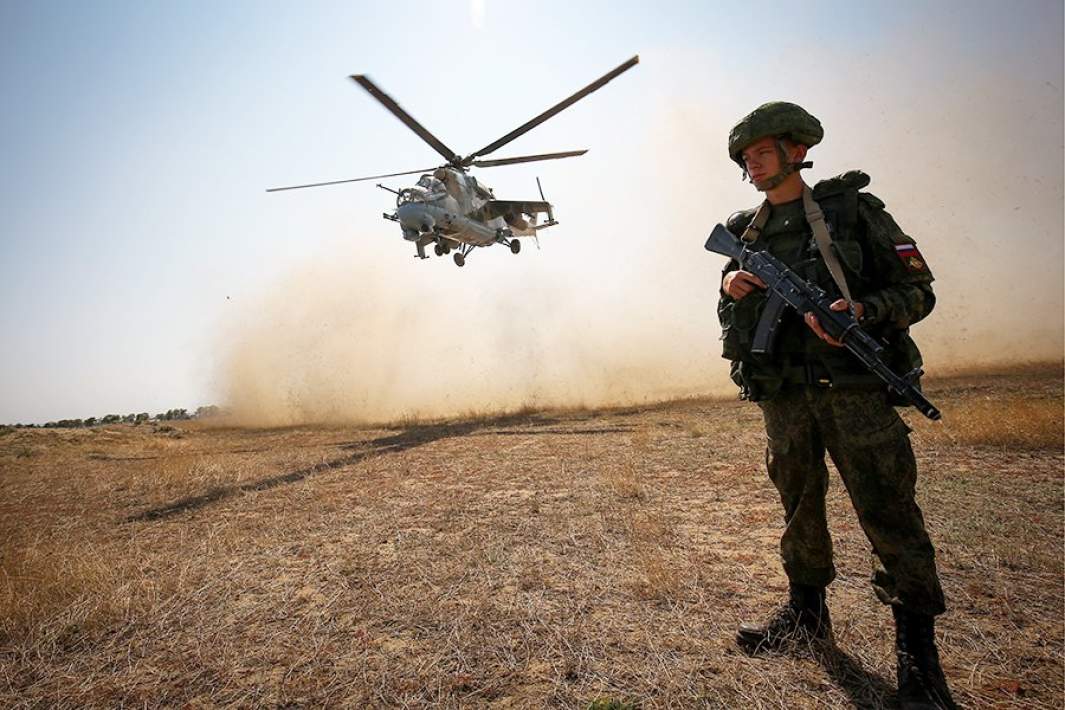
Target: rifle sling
(816, 219)
(754, 229)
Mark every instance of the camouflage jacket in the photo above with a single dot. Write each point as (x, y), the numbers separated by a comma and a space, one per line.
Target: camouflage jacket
(884, 271)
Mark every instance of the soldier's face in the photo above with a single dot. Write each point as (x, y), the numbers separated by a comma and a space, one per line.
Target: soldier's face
(762, 159)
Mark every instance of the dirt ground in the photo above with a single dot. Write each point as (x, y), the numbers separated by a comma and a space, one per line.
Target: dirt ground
(535, 559)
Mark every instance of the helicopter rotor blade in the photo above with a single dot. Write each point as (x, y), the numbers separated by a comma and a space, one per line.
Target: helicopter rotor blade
(557, 108)
(527, 159)
(408, 120)
(360, 179)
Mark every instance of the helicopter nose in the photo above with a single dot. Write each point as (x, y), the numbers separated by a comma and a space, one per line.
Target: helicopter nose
(415, 221)
(414, 217)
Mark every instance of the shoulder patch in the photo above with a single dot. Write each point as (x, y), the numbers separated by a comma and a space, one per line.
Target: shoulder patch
(739, 221)
(910, 256)
(850, 180)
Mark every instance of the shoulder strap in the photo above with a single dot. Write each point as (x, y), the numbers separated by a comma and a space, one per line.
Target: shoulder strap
(754, 229)
(816, 218)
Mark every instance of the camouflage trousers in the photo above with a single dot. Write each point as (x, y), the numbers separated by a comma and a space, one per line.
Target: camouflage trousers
(870, 445)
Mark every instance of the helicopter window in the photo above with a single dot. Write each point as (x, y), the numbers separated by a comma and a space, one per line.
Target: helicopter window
(411, 194)
(434, 189)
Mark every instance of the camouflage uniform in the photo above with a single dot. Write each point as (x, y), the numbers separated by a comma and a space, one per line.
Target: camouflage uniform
(816, 397)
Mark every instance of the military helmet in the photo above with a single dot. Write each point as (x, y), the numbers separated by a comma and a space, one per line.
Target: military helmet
(776, 118)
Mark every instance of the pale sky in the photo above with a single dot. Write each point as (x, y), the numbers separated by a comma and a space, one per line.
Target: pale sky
(138, 140)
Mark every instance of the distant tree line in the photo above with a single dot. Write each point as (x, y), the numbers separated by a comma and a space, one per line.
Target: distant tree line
(169, 415)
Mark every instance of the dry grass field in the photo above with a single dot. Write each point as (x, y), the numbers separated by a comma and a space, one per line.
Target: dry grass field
(538, 559)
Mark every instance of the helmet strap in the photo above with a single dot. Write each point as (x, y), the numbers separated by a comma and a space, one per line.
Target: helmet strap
(787, 168)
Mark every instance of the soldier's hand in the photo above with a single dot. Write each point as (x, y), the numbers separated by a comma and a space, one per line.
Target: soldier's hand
(838, 305)
(740, 283)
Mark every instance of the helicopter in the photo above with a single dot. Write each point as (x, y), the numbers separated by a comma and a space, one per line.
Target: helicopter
(450, 209)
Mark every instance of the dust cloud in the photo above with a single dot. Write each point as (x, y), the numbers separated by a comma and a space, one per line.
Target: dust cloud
(619, 306)
(337, 343)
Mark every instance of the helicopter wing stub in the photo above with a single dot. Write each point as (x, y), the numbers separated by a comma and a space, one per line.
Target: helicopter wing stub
(557, 108)
(389, 103)
(502, 208)
(527, 158)
(515, 212)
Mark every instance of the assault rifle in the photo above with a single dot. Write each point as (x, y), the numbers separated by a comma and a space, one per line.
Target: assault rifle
(786, 288)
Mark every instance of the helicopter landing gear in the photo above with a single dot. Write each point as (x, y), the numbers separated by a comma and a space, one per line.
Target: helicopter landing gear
(515, 246)
(442, 247)
(461, 252)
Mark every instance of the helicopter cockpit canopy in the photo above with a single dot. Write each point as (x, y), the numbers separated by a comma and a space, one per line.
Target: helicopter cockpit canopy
(428, 189)
(434, 188)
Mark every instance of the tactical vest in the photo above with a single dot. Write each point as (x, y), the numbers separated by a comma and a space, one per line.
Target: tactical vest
(799, 356)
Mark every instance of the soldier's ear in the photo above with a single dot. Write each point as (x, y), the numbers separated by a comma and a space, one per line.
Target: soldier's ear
(799, 152)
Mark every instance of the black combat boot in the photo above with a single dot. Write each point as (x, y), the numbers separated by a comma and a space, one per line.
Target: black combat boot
(922, 685)
(803, 617)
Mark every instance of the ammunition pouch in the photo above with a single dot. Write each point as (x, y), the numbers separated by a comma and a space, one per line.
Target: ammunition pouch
(739, 320)
(756, 384)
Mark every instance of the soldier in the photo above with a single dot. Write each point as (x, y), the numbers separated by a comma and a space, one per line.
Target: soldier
(815, 396)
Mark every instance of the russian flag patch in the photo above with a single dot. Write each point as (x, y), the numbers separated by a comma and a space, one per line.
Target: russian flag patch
(910, 256)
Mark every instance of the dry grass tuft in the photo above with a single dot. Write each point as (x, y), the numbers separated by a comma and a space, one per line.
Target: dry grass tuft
(52, 593)
(1024, 369)
(611, 704)
(1005, 421)
(659, 574)
(624, 481)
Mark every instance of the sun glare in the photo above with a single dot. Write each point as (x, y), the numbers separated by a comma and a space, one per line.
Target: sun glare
(477, 8)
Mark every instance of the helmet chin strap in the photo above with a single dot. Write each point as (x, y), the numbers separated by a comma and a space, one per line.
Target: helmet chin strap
(775, 181)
